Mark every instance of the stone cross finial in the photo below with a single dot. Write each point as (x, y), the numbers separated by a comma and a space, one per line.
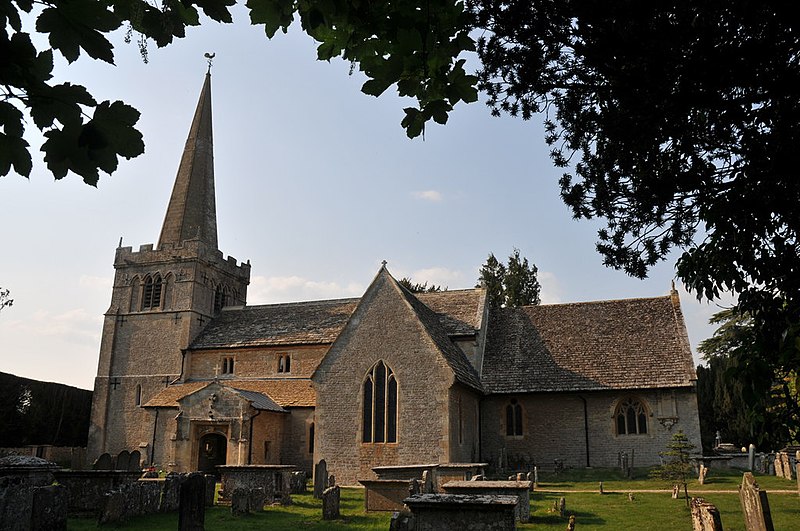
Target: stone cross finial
(383, 263)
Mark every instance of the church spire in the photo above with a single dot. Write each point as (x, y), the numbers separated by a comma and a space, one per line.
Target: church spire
(192, 211)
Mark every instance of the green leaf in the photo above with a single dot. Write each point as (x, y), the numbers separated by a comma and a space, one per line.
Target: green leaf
(60, 102)
(413, 123)
(77, 24)
(14, 151)
(274, 14)
(375, 87)
(11, 119)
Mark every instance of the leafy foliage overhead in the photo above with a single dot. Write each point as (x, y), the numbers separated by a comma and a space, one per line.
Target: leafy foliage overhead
(402, 43)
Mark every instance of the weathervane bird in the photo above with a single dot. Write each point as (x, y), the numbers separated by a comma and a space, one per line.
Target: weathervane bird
(210, 57)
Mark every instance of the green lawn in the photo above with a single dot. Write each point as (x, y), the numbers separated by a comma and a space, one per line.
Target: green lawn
(607, 512)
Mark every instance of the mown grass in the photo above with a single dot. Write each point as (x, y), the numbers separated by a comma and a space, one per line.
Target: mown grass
(593, 511)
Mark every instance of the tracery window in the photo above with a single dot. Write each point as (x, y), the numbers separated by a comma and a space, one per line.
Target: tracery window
(631, 417)
(513, 419)
(151, 296)
(221, 298)
(379, 408)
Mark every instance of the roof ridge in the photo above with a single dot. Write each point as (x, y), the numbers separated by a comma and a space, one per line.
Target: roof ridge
(600, 301)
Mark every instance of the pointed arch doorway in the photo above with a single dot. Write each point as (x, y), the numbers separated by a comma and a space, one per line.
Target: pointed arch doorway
(212, 452)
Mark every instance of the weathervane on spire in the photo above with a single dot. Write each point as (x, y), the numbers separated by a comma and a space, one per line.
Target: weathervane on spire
(210, 58)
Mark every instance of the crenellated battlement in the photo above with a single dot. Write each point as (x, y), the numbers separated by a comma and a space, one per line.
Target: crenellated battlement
(170, 253)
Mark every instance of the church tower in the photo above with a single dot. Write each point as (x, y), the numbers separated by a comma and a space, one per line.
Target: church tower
(161, 299)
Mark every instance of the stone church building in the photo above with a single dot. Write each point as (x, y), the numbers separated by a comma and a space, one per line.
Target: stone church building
(192, 377)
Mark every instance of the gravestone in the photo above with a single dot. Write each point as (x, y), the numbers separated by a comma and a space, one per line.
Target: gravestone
(401, 521)
(320, 478)
(102, 463)
(49, 509)
(778, 464)
(427, 482)
(601, 487)
(675, 491)
(247, 500)
(331, 481)
(787, 466)
(571, 523)
(414, 487)
(631, 497)
(560, 507)
(123, 460)
(701, 478)
(520, 476)
(755, 505)
(135, 461)
(536, 477)
(170, 497)
(751, 457)
(211, 489)
(114, 507)
(192, 505)
(297, 483)
(330, 503)
(705, 516)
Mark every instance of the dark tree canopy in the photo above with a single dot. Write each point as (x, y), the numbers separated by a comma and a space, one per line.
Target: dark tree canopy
(512, 284)
(416, 287)
(35, 412)
(5, 298)
(741, 393)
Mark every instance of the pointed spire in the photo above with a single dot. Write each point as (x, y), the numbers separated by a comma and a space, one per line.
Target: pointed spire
(192, 211)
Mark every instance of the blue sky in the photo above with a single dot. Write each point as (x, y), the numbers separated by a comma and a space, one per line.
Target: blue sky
(316, 185)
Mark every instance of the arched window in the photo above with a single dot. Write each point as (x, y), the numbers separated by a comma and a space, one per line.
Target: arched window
(631, 417)
(151, 296)
(513, 419)
(135, 294)
(284, 363)
(379, 419)
(138, 395)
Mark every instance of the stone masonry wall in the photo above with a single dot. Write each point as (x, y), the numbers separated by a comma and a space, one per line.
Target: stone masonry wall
(553, 427)
(297, 431)
(384, 328)
(464, 412)
(258, 362)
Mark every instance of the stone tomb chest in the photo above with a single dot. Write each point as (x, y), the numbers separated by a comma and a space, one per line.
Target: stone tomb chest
(521, 489)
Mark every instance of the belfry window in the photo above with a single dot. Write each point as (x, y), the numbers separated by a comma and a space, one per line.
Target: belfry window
(151, 295)
(513, 419)
(631, 417)
(220, 298)
(284, 363)
(379, 408)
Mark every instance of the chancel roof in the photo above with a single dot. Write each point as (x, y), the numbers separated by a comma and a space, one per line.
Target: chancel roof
(459, 312)
(618, 344)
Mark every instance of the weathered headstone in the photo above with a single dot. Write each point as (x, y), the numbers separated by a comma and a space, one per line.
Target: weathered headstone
(320, 478)
(170, 494)
(414, 487)
(751, 457)
(701, 478)
(705, 516)
(601, 487)
(755, 505)
(123, 460)
(330, 503)
(297, 483)
(331, 481)
(520, 476)
(211, 489)
(135, 461)
(114, 508)
(787, 466)
(560, 507)
(49, 510)
(401, 521)
(676, 489)
(240, 502)
(103, 463)
(536, 477)
(571, 523)
(427, 482)
(631, 497)
(192, 505)
(778, 464)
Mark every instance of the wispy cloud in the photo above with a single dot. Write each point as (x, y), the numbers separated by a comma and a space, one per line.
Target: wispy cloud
(551, 292)
(264, 290)
(428, 195)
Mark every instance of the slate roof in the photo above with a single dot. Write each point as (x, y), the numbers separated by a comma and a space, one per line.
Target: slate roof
(463, 369)
(294, 392)
(260, 401)
(320, 322)
(619, 344)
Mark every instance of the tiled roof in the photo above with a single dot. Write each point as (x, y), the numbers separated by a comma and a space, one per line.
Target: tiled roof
(320, 322)
(294, 392)
(294, 323)
(619, 344)
(169, 397)
(260, 401)
(464, 372)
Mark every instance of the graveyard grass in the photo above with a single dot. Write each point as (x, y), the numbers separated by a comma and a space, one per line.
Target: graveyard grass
(593, 511)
